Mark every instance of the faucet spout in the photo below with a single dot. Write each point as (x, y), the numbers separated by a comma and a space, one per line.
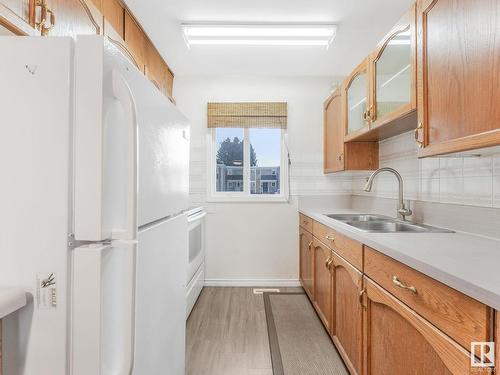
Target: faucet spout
(402, 211)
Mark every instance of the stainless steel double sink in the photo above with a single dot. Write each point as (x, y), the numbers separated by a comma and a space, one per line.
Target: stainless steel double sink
(384, 224)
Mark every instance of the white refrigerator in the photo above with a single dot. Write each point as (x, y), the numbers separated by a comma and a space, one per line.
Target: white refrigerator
(94, 164)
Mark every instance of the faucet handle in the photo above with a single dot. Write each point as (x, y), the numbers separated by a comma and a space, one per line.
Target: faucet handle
(405, 210)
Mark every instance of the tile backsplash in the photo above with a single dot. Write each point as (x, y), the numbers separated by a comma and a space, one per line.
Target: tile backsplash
(468, 180)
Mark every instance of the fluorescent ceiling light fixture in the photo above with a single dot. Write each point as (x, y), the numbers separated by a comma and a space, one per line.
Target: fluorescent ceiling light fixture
(259, 34)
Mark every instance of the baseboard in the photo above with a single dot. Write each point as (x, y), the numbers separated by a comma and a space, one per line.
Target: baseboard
(252, 282)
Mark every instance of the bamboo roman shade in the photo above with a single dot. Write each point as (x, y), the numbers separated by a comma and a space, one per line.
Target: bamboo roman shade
(247, 115)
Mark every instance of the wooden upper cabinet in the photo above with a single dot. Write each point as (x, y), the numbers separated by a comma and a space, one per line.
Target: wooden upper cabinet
(114, 14)
(337, 155)
(18, 16)
(136, 40)
(306, 261)
(393, 74)
(322, 282)
(75, 17)
(399, 341)
(333, 133)
(357, 99)
(347, 315)
(155, 67)
(458, 75)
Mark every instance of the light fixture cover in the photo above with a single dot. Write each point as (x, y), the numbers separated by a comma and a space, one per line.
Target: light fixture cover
(259, 34)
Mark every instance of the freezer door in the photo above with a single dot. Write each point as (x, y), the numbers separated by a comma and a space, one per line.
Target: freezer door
(35, 164)
(161, 298)
(163, 158)
(102, 334)
(105, 143)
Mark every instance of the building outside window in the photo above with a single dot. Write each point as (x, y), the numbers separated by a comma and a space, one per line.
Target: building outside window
(247, 162)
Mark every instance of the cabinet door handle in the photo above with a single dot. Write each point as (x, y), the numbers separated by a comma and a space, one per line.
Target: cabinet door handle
(45, 12)
(329, 238)
(361, 295)
(369, 114)
(417, 135)
(328, 262)
(399, 284)
(310, 244)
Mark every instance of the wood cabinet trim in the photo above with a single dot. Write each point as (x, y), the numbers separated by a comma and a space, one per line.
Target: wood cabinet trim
(124, 49)
(355, 326)
(16, 24)
(336, 164)
(355, 274)
(90, 15)
(363, 66)
(306, 222)
(349, 249)
(325, 316)
(336, 93)
(497, 340)
(309, 289)
(471, 142)
(454, 357)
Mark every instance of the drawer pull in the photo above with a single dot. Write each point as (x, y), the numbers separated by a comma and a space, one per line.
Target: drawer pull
(399, 284)
(330, 238)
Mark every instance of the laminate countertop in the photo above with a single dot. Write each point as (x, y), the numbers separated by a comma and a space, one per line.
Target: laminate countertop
(463, 261)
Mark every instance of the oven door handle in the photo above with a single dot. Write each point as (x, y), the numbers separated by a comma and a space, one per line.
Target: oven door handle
(196, 217)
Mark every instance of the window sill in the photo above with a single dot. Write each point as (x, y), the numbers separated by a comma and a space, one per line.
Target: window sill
(246, 199)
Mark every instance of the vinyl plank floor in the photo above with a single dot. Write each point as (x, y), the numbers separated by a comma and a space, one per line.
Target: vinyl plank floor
(227, 333)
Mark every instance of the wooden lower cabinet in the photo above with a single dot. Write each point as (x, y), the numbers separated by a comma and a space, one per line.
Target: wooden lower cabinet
(322, 282)
(398, 341)
(306, 261)
(347, 316)
(377, 329)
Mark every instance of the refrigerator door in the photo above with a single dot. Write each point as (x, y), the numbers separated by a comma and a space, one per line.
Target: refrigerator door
(161, 298)
(163, 154)
(105, 143)
(102, 337)
(36, 97)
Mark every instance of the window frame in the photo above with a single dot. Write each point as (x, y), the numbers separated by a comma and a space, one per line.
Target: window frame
(244, 196)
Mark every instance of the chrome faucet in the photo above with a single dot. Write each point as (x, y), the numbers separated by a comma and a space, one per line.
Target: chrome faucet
(402, 210)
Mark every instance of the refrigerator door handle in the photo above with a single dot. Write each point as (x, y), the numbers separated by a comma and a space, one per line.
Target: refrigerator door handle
(103, 309)
(122, 92)
(198, 216)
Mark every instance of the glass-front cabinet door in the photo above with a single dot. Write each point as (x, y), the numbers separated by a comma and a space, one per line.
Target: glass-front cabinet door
(357, 99)
(393, 67)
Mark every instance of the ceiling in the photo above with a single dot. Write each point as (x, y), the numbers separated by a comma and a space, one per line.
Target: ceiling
(361, 24)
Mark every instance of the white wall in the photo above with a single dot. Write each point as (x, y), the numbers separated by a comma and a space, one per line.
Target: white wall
(463, 180)
(248, 243)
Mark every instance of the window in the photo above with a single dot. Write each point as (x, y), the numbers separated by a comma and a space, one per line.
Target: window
(246, 157)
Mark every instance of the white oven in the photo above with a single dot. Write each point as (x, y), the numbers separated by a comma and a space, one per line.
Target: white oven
(196, 264)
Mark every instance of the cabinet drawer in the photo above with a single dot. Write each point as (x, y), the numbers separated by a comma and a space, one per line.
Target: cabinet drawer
(459, 316)
(306, 222)
(349, 249)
